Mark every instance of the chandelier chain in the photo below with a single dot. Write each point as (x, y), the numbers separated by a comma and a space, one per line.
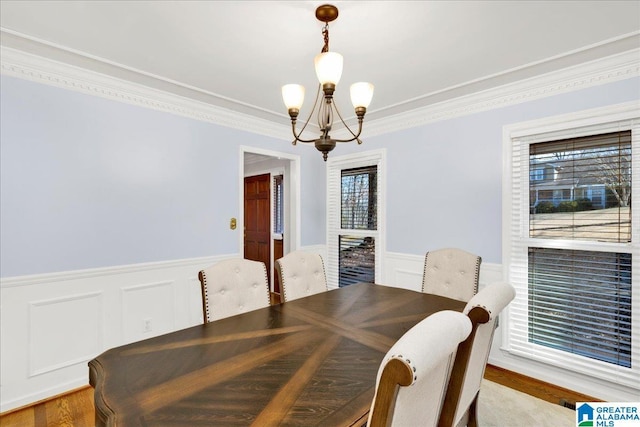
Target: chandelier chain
(325, 35)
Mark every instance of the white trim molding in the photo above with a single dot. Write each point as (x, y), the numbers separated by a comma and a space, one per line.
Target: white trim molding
(609, 69)
(20, 64)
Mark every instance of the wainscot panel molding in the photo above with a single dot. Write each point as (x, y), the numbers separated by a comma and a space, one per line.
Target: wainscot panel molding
(53, 324)
(83, 335)
(43, 70)
(405, 271)
(148, 310)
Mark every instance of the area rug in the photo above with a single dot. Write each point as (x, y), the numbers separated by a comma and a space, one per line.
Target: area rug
(500, 406)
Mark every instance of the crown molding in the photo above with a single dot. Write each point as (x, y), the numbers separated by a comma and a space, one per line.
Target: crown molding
(593, 73)
(17, 63)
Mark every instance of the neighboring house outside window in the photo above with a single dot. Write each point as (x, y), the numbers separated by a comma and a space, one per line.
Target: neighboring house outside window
(555, 180)
(572, 243)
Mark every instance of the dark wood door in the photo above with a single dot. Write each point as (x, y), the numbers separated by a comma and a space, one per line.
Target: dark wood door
(257, 219)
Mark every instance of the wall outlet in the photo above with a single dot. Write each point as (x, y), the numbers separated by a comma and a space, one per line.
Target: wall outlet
(147, 325)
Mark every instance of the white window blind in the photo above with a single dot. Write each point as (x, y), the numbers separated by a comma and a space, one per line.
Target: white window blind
(354, 218)
(278, 204)
(573, 246)
(580, 303)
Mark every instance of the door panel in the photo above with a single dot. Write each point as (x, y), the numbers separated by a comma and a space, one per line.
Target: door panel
(257, 219)
(278, 252)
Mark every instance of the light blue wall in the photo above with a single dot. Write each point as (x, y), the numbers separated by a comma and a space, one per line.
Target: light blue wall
(88, 182)
(444, 180)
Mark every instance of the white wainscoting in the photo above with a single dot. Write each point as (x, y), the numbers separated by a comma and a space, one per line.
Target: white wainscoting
(53, 324)
(405, 271)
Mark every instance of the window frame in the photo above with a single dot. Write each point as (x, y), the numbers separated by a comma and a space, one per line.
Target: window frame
(516, 240)
(335, 165)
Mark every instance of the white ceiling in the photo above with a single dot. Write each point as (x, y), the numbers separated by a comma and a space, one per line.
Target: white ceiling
(237, 54)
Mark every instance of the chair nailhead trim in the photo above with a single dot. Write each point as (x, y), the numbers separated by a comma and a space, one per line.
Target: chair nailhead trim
(206, 296)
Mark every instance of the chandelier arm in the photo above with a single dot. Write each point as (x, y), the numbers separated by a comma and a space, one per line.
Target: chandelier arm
(355, 136)
(293, 124)
(297, 137)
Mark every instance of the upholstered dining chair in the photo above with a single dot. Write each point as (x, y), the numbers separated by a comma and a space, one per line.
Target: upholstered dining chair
(413, 376)
(471, 358)
(232, 287)
(301, 274)
(452, 273)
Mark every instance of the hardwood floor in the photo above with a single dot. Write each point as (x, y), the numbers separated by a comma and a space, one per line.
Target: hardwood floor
(76, 409)
(536, 388)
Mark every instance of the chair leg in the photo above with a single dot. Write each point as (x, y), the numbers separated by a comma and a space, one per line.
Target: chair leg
(473, 412)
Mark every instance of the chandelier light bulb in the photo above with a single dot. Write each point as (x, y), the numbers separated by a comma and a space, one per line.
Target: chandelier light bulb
(328, 67)
(293, 96)
(361, 94)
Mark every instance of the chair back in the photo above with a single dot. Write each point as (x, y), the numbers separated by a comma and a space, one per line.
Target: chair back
(471, 359)
(413, 376)
(233, 286)
(301, 275)
(452, 273)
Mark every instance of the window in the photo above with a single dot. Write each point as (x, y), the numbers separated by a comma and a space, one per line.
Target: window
(573, 244)
(358, 188)
(537, 174)
(278, 205)
(354, 219)
(358, 211)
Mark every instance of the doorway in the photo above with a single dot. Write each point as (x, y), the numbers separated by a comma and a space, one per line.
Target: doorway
(269, 207)
(257, 219)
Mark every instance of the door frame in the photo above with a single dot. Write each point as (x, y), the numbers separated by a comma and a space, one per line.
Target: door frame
(292, 199)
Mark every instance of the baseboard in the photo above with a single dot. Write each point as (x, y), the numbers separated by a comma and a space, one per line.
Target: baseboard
(536, 388)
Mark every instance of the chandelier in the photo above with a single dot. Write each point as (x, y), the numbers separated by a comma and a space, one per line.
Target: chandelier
(329, 70)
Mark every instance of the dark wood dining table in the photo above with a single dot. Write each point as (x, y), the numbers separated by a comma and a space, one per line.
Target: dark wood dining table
(311, 361)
